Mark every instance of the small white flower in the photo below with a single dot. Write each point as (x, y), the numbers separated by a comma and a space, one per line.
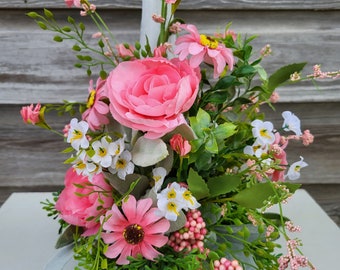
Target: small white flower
(168, 208)
(257, 149)
(77, 134)
(169, 202)
(122, 165)
(158, 175)
(104, 150)
(189, 200)
(263, 131)
(294, 169)
(118, 146)
(83, 165)
(173, 199)
(291, 123)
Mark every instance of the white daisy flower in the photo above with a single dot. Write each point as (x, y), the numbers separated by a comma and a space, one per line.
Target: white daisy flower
(77, 134)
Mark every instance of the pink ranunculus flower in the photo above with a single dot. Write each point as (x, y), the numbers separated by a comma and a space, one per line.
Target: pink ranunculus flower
(180, 145)
(71, 3)
(138, 230)
(152, 93)
(84, 210)
(97, 109)
(202, 48)
(31, 114)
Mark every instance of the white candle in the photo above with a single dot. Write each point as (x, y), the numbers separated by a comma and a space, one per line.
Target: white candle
(149, 27)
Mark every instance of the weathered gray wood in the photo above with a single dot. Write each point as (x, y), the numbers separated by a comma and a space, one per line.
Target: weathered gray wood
(197, 4)
(33, 68)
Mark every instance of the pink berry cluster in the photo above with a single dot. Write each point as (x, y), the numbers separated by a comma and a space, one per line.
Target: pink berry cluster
(225, 264)
(191, 236)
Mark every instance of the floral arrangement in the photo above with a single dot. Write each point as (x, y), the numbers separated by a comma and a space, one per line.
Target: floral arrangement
(172, 163)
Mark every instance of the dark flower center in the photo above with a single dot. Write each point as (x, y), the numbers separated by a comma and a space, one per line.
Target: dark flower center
(133, 234)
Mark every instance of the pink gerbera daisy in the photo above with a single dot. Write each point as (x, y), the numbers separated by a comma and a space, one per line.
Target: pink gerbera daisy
(203, 48)
(135, 231)
(97, 109)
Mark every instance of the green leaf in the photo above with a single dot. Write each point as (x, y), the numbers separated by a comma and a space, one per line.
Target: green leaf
(197, 185)
(283, 74)
(223, 184)
(200, 122)
(245, 70)
(256, 195)
(224, 131)
(225, 82)
(211, 143)
(220, 96)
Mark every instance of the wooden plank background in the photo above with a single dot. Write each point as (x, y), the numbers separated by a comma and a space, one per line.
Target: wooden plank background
(34, 69)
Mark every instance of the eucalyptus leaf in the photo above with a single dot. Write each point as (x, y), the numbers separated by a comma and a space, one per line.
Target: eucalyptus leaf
(123, 186)
(67, 237)
(148, 152)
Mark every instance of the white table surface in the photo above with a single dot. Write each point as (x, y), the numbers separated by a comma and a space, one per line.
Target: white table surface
(27, 235)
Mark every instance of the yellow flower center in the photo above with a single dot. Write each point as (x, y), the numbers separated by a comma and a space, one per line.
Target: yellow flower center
(121, 164)
(102, 152)
(171, 194)
(117, 150)
(77, 135)
(133, 234)
(209, 42)
(264, 133)
(297, 168)
(91, 98)
(172, 207)
(187, 196)
(80, 165)
(156, 178)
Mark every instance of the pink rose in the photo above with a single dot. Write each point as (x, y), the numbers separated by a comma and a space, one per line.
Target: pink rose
(83, 210)
(180, 145)
(31, 115)
(151, 94)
